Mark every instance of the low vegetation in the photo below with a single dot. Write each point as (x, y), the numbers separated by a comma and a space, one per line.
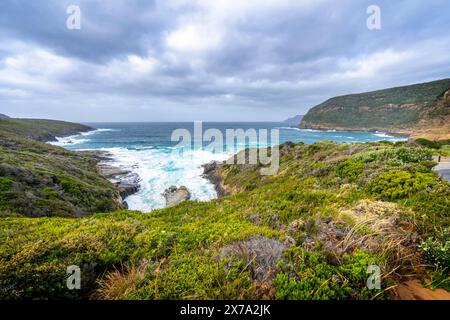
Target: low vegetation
(41, 130)
(440, 147)
(309, 232)
(37, 179)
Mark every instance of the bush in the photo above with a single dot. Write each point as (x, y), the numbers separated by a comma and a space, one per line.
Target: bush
(306, 275)
(350, 169)
(5, 183)
(396, 156)
(428, 143)
(437, 249)
(398, 184)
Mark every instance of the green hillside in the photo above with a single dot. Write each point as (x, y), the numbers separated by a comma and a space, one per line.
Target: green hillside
(396, 109)
(37, 179)
(308, 232)
(41, 130)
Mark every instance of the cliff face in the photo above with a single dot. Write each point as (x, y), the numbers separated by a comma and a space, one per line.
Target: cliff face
(434, 122)
(420, 110)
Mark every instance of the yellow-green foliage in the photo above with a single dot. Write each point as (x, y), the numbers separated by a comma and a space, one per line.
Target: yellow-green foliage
(178, 252)
(398, 184)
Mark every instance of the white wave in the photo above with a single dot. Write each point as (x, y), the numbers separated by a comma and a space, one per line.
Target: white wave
(298, 129)
(159, 169)
(389, 137)
(92, 132)
(77, 138)
(68, 141)
(305, 130)
(383, 135)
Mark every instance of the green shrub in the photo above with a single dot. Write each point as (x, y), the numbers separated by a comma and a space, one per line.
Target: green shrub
(306, 275)
(398, 184)
(428, 143)
(5, 183)
(350, 169)
(396, 156)
(437, 249)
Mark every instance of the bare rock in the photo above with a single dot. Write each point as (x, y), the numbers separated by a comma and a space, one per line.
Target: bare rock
(176, 195)
(211, 173)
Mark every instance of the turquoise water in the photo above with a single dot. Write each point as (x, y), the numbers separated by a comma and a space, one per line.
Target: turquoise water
(148, 151)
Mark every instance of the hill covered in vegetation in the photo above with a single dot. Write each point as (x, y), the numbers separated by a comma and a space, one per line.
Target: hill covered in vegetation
(420, 110)
(308, 232)
(37, 179)
(41, 130)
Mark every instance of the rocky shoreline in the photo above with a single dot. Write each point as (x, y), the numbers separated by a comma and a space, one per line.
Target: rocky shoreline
(397, 133)
(212, 174)
(127, 182)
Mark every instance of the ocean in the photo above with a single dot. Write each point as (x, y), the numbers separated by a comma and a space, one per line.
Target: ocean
(147, 150)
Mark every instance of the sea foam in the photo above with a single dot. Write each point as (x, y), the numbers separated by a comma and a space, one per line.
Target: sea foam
(159, 169)
(77, 138)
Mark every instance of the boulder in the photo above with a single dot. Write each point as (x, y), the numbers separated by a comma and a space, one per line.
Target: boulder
(174, 195)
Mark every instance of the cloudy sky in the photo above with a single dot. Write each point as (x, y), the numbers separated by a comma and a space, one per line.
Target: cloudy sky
(216, 60)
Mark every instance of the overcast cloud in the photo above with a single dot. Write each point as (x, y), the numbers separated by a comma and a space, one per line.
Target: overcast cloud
(216, 60)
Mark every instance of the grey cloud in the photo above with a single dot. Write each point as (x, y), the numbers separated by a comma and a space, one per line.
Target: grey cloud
(279, 61)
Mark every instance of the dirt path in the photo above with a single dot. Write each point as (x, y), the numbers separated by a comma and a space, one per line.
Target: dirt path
(414, 290)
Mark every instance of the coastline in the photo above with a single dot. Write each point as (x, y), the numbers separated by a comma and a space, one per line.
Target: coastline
(393, 133)
(125, 180)
(130, 177)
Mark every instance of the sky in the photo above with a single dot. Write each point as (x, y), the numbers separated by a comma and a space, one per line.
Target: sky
(210, 60)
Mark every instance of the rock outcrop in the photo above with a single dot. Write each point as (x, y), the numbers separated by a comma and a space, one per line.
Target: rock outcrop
(176, 195)
(211, 173)
(126, 181)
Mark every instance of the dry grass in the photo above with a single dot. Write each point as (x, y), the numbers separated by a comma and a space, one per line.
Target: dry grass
(118, 284)
(373, 226)
(379, 228)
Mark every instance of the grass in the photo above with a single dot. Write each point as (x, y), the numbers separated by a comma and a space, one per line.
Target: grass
(322, 210)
